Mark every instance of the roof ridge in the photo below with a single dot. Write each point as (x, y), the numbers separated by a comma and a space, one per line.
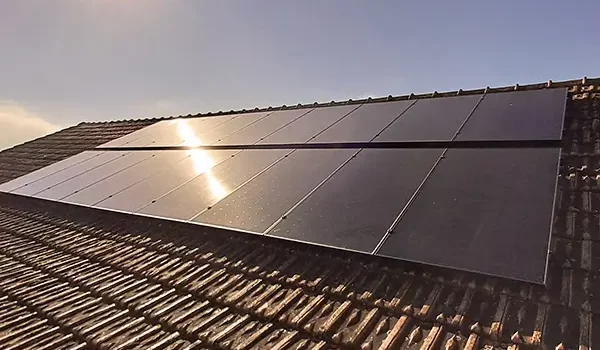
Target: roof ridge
(459, 92)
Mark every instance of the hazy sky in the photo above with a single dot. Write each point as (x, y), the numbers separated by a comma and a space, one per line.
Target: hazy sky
(62, 62)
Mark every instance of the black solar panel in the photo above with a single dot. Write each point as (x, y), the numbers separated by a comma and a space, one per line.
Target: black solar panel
(483, 210)
(309, 125)
(521, 115)
(338, 176)
(210, 185)
(262, 201)
(364, 123)
(354, 208)
(434, 119)
(263, 128)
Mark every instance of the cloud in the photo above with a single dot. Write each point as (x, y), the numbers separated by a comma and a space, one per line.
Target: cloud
(18, 125)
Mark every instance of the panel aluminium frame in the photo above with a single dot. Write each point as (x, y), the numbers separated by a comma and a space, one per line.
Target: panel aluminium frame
(488, 211)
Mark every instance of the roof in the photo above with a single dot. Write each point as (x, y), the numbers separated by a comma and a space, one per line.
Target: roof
(74, 277)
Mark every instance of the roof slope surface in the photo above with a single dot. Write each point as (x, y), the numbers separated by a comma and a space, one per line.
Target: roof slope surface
(74, 278)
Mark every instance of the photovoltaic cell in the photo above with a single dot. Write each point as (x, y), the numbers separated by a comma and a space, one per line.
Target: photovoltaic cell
(213, 185)
(47, 171)
(44, 183)
(119, 181)
(363, 124)
(435, 119)
(90, 177)
(263, 128)
(355, 207)
(259, 203)
(520, 115)
(309, 125)
(482, 210)
(141, 194)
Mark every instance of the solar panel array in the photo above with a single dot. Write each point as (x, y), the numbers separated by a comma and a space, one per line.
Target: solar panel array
(486, 210)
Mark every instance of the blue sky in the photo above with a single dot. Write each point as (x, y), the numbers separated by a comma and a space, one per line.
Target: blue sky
(63, 62)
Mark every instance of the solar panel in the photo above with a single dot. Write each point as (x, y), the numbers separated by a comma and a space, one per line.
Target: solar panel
(520, 115)
(90, 177)
(141, 194)
(170, 132)
(231, 127)
(138, 135)
(365, 123)
(262, 201)
(263, 128)
(434, 119)
(487, 210)
(47, 171)
(41, 184)
(117, 182)
(353, 209)
(211, 186)
(482, 210)
(309, 125)
(164, 132)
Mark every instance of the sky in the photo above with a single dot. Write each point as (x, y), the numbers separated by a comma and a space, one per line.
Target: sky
(67, 61)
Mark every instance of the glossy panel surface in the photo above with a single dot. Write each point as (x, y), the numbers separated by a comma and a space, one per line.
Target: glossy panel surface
(147, 136)
(68, 173)
(355, 207)
(117, 182)
(205, 190)
(88, 178)
(181, 131)
(483, 210)
(309, 125)
(236, 124)
(143, 193)
(262, 128)
(365, 123)
(521, 115)
(259, 203)
(126, 140)
(48, 170)
(435, 119)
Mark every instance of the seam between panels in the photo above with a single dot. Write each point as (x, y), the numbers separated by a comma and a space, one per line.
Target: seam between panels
(286, 213)
(109, 176)
(335, 171)
(393, 120)
(184, 183)
(239, 130)
(399, 217)
(245, 182)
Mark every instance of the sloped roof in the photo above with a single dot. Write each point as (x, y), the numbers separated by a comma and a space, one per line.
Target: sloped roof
(73, 277)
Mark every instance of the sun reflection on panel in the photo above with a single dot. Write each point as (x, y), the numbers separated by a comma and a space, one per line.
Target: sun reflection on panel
(201, 159)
